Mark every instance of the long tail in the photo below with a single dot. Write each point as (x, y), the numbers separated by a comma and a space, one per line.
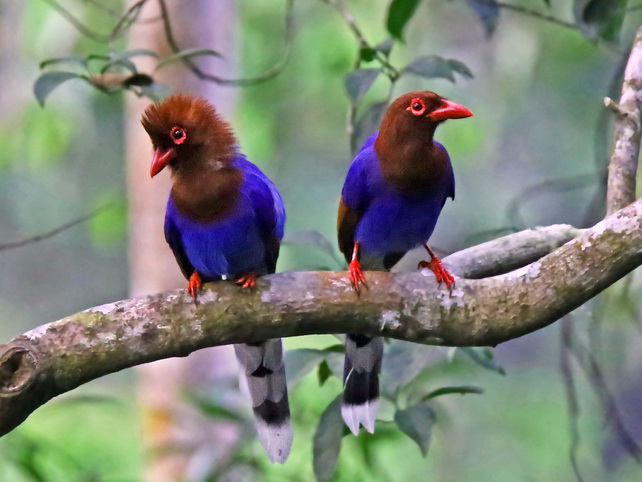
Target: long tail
(361, 381)
(263, 379)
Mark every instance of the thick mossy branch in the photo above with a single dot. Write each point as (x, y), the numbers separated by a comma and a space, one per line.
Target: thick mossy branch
(59, 356)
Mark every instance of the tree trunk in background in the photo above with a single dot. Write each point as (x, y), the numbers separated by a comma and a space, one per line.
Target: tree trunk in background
(175, 433)
(10, 65)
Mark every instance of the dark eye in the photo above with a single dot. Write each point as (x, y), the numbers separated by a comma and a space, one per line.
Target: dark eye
(417, 106)
(178, 135)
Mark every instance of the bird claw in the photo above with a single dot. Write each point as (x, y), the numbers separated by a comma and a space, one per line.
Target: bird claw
(441, 273)
(356, 275)
(247, 280)
(194, 285)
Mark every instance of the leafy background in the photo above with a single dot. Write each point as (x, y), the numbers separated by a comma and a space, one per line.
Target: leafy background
(534, 154)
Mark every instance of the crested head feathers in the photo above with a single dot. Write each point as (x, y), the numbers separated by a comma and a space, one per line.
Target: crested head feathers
(187, 130)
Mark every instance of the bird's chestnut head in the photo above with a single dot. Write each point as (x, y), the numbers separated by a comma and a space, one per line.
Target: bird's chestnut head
(186, 132)
(420, 112)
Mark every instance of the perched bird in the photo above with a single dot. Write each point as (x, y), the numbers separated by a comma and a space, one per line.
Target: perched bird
(224, 220)
(391, 199)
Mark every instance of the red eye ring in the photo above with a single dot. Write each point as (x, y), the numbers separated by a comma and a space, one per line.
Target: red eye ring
(178, 134)
(417, 106)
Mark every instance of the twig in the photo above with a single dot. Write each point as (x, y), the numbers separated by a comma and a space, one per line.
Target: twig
(389, 70)
(125, 21)
(624, 160)
(568, 380)
(78, 25)
(561, 185)
(529, 12)
(240, 82)
(612, 414)
(40, 237)
(104, 8)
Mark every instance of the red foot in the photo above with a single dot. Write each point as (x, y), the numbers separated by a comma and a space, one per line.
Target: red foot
(356, 275)
(247, 280)
(442, 275)
(194, 285)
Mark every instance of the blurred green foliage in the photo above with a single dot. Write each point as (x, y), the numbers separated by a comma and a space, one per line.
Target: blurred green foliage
(537, 96)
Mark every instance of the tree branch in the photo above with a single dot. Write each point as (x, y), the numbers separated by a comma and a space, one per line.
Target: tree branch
(49, 234)
(59, 356)
(272, 72)
(624, 160)
(509, 252)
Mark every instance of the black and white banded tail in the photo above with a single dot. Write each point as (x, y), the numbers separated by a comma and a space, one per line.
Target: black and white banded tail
(263, 379)
(361, 381)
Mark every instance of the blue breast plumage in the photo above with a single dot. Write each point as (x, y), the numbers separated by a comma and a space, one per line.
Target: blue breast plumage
(239, 242)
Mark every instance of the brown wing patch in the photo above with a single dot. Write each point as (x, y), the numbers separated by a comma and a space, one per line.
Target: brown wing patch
(347, 220)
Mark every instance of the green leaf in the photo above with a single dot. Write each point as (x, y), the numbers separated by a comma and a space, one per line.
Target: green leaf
(403, 362)
(187, 54)
(327, 441)
(212, 408)
(323, 372)
(123, 59)
(48, 81)
(399, 13)
(460, 68)
(600, 19)
(156, 91)
(298, 363)
(359, 82)
(417, 422)
(70, 59)
(462, 390)
(484, 358)
(103, 58)
(434, 66)
(335, 362)
(386, 412)
(487, 11)
(338, 348)
(126, 63)
(312, 238)
(128, 54)
(90, 399)
(367, 54)
(369, 123)
(385, 47)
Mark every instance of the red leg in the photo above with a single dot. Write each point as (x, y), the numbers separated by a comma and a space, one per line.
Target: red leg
(247, 280)
(356, 275)
(194, 285)
(438, 268)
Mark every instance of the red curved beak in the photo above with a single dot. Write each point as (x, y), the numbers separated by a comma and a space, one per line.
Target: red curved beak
(450, 110)
(161, 159)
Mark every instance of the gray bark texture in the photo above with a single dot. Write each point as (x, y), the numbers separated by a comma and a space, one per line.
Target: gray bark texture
(626, 150)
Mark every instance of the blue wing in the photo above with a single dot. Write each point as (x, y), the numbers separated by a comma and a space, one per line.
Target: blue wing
(355, 193)
(450, 189)
(268, 206)
(173, 238)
